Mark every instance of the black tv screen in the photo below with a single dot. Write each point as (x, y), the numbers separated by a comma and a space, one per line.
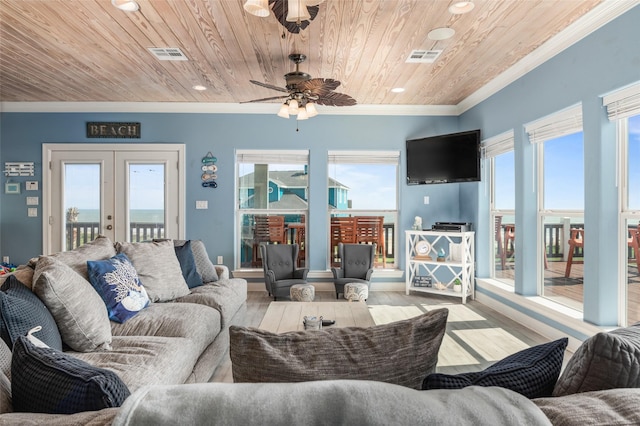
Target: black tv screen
(442, 159)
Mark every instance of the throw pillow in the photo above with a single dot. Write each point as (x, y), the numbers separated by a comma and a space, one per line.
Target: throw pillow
(99, 249)
(5, 383)
(532, 372)
(45, 380)
(158, 269)
(400, 352)
(79, 311)
(184, 253)
(21, 310)
(116, 281)
(205, 268)
(604, 361)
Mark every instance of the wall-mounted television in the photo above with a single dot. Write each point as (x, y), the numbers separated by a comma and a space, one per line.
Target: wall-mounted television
(447, 158)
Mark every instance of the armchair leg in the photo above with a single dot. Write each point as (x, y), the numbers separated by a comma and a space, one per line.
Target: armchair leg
(337, 295)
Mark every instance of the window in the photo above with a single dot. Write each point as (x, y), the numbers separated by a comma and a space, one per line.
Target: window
(355, 215)
(272, 193)
(623, 107)
(499, 153)
(560, 153)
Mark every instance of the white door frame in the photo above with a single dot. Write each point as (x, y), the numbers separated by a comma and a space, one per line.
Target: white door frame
(47, 180)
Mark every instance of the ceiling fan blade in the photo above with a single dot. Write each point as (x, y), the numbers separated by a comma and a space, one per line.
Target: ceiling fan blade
(318, 86)
(336, 99)
(265, 99)
(269, 86)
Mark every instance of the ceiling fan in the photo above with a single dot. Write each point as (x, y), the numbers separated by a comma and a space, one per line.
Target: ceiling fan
(302, 92)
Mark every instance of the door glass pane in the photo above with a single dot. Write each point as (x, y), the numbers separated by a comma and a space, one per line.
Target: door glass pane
(81, 204)
(146, 213)
(504, 204)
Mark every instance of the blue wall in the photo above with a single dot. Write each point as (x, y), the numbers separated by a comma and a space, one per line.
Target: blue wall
(22, 135)
(604, 61)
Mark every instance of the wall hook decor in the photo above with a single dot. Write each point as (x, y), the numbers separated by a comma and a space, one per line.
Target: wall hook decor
(209, 169)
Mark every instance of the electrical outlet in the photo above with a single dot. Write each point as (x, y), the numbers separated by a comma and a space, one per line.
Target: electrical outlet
(220, 260)
(426, 199)
(202, 204)
(5, 259)
(32, 212)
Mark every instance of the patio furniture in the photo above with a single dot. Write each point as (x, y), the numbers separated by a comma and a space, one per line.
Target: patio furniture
(343, 230)
(576, 240)
(267, 229)
(369, 230)
(633, 241)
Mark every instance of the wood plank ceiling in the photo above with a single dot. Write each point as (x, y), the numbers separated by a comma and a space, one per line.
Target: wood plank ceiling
(87, 50)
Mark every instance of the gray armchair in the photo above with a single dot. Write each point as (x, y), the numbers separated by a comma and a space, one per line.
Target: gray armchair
(280, 272)
(356, 265)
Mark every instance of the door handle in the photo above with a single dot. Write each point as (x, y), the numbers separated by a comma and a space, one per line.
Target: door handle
(109, 227)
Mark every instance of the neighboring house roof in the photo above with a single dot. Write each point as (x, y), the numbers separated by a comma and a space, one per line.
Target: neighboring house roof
(289, 202)
(286, 179)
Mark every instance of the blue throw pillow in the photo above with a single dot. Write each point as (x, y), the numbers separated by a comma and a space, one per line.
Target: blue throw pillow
(46, 380)
(116, 281)
(531, 372)
(184, 253)
(21, 310)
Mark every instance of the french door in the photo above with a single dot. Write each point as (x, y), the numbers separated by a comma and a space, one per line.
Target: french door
(125, 192)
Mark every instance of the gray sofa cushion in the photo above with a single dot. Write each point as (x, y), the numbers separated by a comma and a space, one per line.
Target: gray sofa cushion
(146, 360)
(78, 309)
(330, 402)
(226, 296)
(99, 249)
(46, 380)
(158, 268)
(604, 361)
(5, 383)
(402, 352)
(174, 320)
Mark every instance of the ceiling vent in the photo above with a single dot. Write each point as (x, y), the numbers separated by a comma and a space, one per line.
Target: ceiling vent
(168, 53)
(423, 56)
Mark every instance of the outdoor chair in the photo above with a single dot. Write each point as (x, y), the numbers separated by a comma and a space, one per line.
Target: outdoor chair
(356, 265)
(279, 262)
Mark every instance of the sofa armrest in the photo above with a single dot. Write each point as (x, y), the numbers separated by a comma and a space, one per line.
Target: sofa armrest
(223, 272)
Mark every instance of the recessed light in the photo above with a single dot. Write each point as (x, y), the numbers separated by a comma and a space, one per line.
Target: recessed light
(397, 89)
(441, 33)
(126, 5)
(460, 7)
(199, 87)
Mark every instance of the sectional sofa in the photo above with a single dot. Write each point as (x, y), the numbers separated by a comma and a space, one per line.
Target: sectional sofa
(172, 329)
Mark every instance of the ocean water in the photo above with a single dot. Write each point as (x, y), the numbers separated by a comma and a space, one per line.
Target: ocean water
(139, 215)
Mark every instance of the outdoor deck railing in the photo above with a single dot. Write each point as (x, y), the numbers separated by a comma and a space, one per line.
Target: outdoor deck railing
(78, 233)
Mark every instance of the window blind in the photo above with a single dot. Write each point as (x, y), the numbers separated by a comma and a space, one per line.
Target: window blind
(364, 157)
(623, 103)
(272, 156)
(562, 123)
(498, 144)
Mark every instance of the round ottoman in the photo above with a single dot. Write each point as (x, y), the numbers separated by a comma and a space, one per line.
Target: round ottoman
(302, 292)
(355, 292)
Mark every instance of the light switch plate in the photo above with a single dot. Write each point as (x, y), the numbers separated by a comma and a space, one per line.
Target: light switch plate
(200, 204)
(32, 212)
(32, 185)
(32, 201)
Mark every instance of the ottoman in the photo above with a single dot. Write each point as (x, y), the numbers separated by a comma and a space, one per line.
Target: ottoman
(302, 292)
(355, 292)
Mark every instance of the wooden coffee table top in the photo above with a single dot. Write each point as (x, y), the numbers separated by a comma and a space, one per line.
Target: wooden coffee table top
(287, 316)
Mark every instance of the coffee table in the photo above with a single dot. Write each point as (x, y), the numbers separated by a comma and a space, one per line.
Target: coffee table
(287, 316)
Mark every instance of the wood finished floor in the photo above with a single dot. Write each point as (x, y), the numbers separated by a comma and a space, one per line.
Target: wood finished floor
(476, 335)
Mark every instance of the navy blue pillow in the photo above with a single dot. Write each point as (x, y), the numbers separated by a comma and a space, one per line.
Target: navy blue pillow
(21, 310)
(184, 253)
(116, 281)
(45, 380)
(531, 372)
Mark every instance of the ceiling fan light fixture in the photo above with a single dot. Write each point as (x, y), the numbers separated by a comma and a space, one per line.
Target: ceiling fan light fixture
(293, 107)
(302, 114)
(126, 5)
(257, 7)
(284, 111)
(313, 2)
(442, 33)
(298, 11)
(311, 109)
(460, 7)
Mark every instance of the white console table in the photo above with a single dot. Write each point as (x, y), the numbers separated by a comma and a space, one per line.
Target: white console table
(426, 273)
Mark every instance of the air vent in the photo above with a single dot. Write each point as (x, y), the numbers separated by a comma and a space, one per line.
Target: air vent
(168, 53)
(423, 56)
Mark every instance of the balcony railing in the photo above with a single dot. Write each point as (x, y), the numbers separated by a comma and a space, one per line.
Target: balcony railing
(79, 233)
